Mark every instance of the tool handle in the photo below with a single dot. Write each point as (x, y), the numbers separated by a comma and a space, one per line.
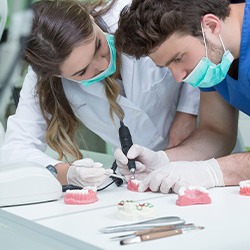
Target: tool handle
(126, 143)
(158, 235)
(155, 230)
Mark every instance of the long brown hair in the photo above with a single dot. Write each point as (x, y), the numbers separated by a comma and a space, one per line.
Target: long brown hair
(58, 27)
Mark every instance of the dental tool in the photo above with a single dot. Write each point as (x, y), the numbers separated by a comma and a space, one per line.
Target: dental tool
(158, 235)
(126, 143)
(144, 224)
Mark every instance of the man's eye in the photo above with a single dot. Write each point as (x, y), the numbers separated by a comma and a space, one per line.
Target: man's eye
(177, 59)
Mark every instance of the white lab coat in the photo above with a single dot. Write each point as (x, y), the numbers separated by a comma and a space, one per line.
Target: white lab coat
(150, 100)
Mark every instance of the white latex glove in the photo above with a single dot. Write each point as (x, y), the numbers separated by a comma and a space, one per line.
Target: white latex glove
(86, 172)
(146, 161)
(184, 174)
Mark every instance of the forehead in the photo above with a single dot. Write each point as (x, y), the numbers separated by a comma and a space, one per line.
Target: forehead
(81, 55)
(173, 46)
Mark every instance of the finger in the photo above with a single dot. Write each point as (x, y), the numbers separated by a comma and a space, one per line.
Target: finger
(86, 162)
(145, 183)
(108, 172)
(86, 173)
(168, 183)
(120, 157)
(97, 164)
(156, 182)
(127, 177)
(139, 167)
(141, 176)
(124, 170)
(141, 153)
(180, 184)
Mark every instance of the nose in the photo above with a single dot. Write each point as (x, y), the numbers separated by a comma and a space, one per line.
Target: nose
(101, 63)
(178, 74)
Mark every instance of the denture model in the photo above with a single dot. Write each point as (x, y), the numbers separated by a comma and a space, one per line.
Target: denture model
(133, 185)
(193, 195)
(245, 187)
(86, 195)
(129, 210)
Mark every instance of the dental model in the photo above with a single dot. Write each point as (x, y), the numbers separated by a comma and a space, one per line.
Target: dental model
(86, 195)
(129, 210)
(133, 185)
(245, 187)
(193, 195)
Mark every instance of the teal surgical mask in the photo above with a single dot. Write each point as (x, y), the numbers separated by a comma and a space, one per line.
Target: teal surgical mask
(206, 74)
(110, 69)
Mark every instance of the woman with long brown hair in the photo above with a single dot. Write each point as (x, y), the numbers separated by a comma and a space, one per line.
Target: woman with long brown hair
(73, 78)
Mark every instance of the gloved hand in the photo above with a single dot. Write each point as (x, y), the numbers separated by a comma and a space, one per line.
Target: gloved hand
(86, 172)
(184, 173)
(146, 161)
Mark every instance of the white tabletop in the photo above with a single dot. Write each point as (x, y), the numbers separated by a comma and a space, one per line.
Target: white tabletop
(226, 220)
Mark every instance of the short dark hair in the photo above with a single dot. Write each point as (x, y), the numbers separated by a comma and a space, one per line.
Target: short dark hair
(146, 24)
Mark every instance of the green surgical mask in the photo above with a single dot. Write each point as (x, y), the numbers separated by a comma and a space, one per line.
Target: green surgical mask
(206, 74)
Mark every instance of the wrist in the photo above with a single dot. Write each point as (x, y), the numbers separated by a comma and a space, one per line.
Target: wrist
(62, 170)
(216, 172)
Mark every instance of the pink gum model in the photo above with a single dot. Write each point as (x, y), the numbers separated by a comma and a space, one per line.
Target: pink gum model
(193, 195)
(133, 185)
(245, 188)
(86, 195)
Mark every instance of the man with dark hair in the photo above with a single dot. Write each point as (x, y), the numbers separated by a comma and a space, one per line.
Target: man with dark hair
(206, 44)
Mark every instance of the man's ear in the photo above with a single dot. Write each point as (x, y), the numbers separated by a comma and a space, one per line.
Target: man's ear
(211, 24)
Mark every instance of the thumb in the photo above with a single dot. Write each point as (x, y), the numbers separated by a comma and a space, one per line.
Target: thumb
(108, 172)
(144, 185)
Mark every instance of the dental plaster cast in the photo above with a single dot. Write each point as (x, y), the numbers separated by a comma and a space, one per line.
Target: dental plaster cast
(129, 210)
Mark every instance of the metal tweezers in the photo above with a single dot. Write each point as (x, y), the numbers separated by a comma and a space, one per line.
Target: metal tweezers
(145, 224)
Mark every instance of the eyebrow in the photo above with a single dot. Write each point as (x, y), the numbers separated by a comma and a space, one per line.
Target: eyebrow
(171, 60)
(97, 40)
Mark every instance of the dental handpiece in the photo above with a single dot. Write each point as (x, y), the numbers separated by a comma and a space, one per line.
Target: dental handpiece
(126, 143)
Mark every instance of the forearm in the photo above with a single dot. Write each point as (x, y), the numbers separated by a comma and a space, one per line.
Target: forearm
(181, 128)
(235, 168)
(201, 145)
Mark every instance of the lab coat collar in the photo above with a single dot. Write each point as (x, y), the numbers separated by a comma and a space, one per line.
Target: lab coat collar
(98, 90)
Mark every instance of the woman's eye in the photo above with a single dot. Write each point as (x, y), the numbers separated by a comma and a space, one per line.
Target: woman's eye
(82, 73)
(99, 44)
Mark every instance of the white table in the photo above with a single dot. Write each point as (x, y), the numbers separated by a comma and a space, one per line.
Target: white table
(55, 225)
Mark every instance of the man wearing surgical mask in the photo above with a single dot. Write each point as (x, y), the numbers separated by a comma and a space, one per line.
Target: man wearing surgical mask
(206, 44)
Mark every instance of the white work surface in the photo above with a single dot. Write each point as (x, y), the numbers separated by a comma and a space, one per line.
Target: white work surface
(226, 222)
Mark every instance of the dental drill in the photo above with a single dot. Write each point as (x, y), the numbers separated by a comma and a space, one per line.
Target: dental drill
(126, 143)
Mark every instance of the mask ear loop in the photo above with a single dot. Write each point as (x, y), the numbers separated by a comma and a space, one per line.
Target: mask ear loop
(222, 43)
(204, 40)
